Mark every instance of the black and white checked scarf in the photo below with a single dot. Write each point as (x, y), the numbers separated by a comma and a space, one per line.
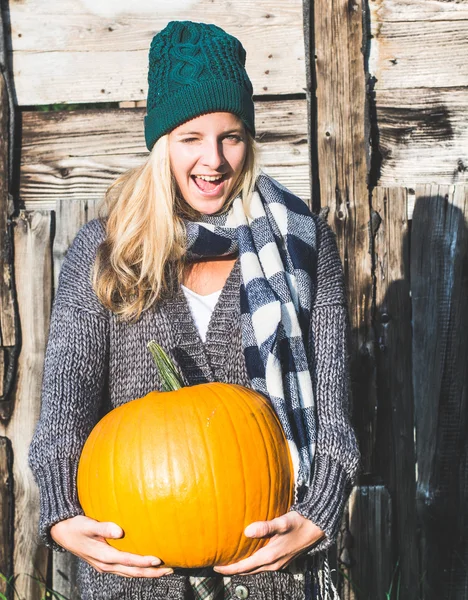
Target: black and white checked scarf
(277, 249)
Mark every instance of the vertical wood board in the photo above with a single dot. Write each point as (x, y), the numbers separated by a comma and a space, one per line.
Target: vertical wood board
(33, 274)
(370, 525)
(342, 163)
(6, 512)
(8, 341)
(395, 425)
(439, 284)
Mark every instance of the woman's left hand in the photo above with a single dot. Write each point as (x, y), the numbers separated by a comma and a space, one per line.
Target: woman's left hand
(289, 535)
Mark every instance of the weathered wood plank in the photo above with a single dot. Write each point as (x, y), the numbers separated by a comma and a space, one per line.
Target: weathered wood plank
(70, 216)
(54, 44)
(423, 136)
(369, 516)
(33, 274)
(419, 54)
(8, 334)
(342, 164)
(395, 440)
(6, 512)
(439, 285)
(408, 10)
(76, 155)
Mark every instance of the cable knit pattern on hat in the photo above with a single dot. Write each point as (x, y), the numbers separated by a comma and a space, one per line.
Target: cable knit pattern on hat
(194, 69)
(94, 363)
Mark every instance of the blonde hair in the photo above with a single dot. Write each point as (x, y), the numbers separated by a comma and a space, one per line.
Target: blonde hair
(143, 255)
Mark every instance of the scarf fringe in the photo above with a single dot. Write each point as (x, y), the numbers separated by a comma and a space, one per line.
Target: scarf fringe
(325, 585)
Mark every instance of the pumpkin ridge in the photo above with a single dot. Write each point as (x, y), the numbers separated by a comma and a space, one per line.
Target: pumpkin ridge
(209, 455)
(113, 460)
(283, 474)
(141, 467)
(88, 477)
(273, 458)
(200, 511)
(239, 447)
(259, 543)
(170, 464)
(245, 410)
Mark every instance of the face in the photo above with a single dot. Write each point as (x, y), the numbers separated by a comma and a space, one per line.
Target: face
(207, 155)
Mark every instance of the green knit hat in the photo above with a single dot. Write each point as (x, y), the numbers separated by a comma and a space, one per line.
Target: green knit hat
(194, 69)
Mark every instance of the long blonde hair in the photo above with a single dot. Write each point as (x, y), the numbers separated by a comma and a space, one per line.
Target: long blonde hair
(143, 255)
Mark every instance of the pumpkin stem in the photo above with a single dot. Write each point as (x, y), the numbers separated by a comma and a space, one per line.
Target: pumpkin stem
(170, 376)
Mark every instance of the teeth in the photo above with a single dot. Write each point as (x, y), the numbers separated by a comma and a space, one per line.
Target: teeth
(209, 178)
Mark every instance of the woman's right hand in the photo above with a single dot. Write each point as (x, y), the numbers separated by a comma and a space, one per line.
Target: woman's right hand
(86, 538)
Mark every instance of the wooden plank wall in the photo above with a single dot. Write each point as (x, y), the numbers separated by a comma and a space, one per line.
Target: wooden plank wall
(68, 158)
(420, 91)
(75, 155)
(387, 132)
(55, 42)
(419, 138)
(439, 255)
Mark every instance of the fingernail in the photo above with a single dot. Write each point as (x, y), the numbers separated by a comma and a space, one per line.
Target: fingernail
(155, 562)
(169, 572)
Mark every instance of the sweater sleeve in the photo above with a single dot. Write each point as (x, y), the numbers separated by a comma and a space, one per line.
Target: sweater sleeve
(73, 381)
(336, 460)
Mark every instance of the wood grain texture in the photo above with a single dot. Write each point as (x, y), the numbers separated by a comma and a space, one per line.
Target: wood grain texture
(76, 155)
(342, 143)
(33, 274)
(6, 512)
(8, 337)
(419, 54)
(54, 44)
(408, 10)
(392, 321)
(439, 285)
(370, 526)
(422, 136)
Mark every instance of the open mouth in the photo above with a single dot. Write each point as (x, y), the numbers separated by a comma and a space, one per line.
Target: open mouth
(209, 185)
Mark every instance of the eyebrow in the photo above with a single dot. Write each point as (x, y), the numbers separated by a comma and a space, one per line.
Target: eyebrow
(236, 130)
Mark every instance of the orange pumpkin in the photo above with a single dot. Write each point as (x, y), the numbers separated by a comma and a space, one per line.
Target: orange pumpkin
(184, 472)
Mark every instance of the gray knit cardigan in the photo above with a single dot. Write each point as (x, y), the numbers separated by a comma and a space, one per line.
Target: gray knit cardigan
(95, 362)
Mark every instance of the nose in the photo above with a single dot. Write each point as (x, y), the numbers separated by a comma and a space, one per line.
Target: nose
(213, 155)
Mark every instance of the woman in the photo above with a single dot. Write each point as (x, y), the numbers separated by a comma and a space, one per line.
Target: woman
(235, 278)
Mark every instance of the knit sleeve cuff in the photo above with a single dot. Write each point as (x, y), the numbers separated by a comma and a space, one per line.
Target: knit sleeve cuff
(59, 499)
(324, 501)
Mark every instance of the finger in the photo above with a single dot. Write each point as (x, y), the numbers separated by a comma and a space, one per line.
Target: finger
(261, 529)
(280, 564)
(260, 559)
(124, 571)
(111, 556)
(106, 530)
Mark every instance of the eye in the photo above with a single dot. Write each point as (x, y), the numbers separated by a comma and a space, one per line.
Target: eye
(189, 140)
(234, 137)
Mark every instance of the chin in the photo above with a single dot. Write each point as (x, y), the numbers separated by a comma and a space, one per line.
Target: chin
(207, 207)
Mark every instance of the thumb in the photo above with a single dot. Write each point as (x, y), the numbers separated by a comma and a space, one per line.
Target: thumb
(261, 529)
(258, 529)
(109, 530)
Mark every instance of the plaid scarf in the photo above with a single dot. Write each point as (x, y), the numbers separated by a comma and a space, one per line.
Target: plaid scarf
(276, 243)
(313, 572)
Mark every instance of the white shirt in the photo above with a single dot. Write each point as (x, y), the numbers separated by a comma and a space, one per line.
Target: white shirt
(201, 308)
